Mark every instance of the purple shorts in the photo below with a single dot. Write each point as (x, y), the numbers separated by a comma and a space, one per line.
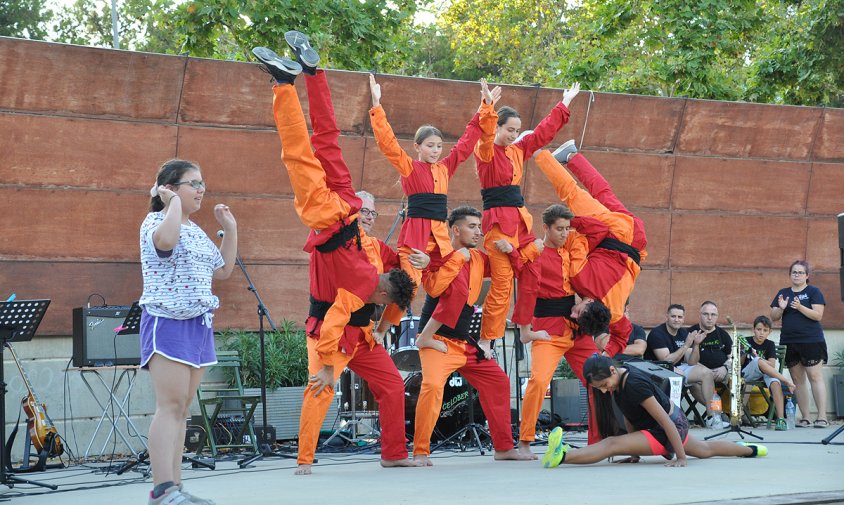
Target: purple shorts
(188, 341)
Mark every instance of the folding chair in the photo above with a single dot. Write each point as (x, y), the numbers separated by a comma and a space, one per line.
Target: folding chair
(221, 398)
(763, 389)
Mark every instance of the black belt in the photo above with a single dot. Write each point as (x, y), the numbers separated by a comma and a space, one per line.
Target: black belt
(341, 238)
(428, 205)
(502, 196)
(361, 317)
(553, 307)
(617, 245)
(460, 331)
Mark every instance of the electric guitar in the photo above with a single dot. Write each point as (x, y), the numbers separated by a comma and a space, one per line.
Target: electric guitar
(42, 432)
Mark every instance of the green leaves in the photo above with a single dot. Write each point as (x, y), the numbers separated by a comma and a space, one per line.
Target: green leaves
(286, 355)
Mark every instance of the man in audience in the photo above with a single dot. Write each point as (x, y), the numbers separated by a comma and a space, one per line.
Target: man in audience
(672, 343)
(711, 346)
(637, 344)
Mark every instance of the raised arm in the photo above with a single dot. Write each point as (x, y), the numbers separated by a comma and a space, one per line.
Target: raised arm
(547, 129)
(483, 120)
(384, 136)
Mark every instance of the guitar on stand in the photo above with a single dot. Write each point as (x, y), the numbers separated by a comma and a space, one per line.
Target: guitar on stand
(42, 432)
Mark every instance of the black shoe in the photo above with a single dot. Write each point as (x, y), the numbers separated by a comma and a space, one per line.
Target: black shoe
(305, 54)
(282, 69)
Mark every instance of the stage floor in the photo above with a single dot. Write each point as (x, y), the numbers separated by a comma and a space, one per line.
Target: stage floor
(798, 469)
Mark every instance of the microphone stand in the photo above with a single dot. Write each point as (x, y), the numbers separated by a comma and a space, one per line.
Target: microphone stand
(264, 449)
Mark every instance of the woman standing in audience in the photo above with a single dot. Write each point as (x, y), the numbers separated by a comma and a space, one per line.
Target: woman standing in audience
(800, 307)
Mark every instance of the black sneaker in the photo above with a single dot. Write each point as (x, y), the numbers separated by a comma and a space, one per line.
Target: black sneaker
(305, 54)
(282, 69)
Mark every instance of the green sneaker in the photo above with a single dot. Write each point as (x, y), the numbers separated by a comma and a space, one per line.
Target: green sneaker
(761, 450)
(781, 425)
(556, 449)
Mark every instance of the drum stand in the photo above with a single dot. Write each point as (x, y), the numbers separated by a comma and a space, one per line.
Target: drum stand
(472, 429)
(354, 422)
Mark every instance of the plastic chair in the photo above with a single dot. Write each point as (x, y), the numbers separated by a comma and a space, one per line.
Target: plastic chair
(222, 398)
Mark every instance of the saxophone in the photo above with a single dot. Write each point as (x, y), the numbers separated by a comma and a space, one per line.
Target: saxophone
(736, 384)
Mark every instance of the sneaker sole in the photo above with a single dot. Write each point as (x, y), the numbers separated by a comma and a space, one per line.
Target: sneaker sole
(301, 45)
(269, 57)
(555, 447)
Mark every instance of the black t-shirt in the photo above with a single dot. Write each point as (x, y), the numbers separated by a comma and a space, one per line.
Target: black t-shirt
(637, 388)
(659, 338)
(715, 348)
(766, 350)
(638, 333)
(797, 328)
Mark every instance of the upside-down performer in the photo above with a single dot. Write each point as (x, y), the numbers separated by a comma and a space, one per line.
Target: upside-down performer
(344, 284)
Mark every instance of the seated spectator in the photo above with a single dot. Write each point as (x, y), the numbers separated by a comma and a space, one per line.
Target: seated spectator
(637, 344)
(672, 343)
(760, 363)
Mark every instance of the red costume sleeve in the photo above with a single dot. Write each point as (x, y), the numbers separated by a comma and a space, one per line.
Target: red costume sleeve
(545, 131)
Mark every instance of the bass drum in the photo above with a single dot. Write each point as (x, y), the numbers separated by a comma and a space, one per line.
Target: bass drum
(455, 409)
(364, 401)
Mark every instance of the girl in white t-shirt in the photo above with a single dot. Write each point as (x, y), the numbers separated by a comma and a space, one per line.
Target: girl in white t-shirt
(178, 262)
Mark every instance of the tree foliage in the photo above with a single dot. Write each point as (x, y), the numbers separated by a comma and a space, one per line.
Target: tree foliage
(24, 18)
(778, 51)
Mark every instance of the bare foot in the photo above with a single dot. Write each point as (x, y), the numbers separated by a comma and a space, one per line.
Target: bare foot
(303, 470)
(512, 455)
(432, 343)
(524, 450)
(393, 463)
(423, 459)
(526, 335)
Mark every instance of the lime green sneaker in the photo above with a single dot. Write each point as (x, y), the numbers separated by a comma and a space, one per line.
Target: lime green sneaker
(760, 450)
(556, 449)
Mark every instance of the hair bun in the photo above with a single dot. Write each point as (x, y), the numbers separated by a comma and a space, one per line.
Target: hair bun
(153, 191)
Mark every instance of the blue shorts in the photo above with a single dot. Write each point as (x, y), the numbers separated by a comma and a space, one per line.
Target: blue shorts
(188, 341)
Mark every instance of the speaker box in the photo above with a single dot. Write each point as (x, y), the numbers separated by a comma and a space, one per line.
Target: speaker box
(96, 344)
(841, 250)
(569, 401)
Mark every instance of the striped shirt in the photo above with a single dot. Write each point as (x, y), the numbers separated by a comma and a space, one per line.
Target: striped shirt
(177, 283)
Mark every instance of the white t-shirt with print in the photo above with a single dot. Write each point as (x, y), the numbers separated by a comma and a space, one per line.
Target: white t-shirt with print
(177, 284)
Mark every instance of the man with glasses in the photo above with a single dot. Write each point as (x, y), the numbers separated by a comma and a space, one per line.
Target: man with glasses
(711, 347)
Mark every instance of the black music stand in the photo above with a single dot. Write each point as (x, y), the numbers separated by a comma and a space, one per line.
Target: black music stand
(18, 322)
(264, 449)
(131, 325)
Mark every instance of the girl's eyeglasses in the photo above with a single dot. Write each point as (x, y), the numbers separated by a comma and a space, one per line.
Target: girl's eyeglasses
(195, 184)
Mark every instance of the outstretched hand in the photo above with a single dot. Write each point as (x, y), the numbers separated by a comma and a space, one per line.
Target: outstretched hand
(570, 93)
(375, 89)
(487, 96)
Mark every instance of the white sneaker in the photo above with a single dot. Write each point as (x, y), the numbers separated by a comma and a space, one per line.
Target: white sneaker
(170, 497)
(716, 423)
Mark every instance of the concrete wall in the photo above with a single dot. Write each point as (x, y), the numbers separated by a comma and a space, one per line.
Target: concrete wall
(730, 193)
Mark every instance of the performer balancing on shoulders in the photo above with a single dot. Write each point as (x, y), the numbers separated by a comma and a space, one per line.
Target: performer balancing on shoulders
(178, 262)
(344, 284)
(425, 180)
(452, 291)
(500, 161)
(655, 425)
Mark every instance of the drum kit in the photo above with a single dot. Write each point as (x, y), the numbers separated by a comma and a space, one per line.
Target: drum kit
(359, 409)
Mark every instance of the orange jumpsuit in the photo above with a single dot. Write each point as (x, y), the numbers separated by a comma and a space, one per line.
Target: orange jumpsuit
(426, 186)
(484, 374)
(500, 170)
(341, 276)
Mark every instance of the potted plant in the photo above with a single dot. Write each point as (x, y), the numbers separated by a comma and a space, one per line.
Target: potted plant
(286, 373)
(838, 382)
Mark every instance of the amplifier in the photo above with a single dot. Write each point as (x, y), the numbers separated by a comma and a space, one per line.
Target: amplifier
(671, 383)
(95, 341)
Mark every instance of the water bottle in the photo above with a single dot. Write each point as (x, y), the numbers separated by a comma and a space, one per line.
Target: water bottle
(790, 414)
(716, 409)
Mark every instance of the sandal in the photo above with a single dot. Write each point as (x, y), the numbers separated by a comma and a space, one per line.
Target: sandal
(821, 423)
(803, 423)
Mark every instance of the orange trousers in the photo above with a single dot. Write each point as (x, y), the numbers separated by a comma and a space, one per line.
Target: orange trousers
(544, 358)
(485, 375)
(375, 367)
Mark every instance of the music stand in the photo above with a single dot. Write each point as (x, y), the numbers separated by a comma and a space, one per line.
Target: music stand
(131, 325)
(18, 322)
(828, 439)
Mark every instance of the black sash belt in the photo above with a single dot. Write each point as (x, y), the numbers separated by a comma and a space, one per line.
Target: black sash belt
(428, 205)
(554, 307)
(502, 196)
(361, 317)
(341, 238)
(617, 245)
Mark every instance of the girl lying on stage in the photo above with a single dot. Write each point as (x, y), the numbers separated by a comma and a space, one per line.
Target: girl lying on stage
(655, 425)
